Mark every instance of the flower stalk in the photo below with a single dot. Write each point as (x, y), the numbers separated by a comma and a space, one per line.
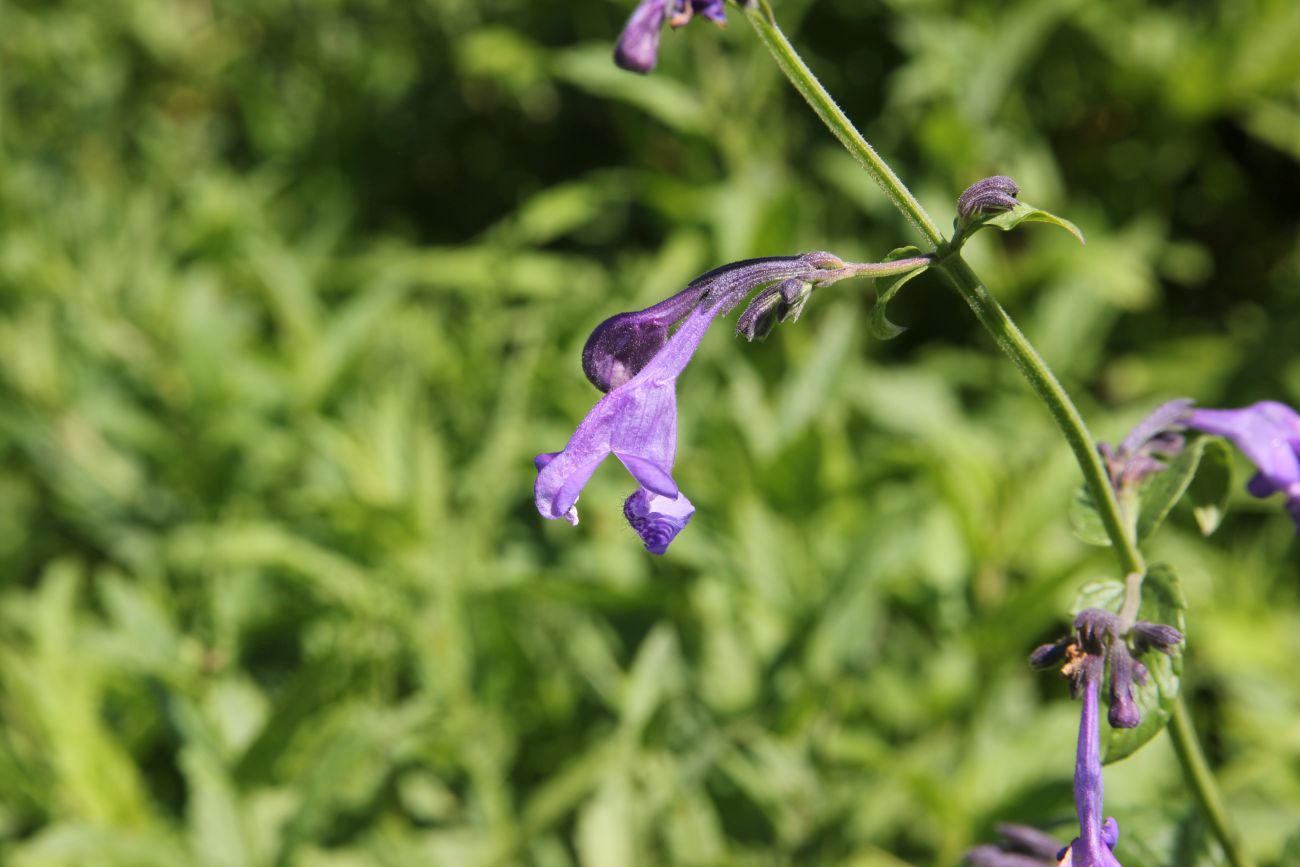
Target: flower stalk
(1031, 365)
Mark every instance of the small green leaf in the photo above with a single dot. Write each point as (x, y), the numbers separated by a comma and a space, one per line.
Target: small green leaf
(1162, 602)
(1213, 482)
(1084, 519)
(1021, 213)
(1167, 487)
(886, 288)
(1203, 471)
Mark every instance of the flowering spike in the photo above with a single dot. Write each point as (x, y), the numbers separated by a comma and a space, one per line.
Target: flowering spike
(1268, 433)
(988, 196)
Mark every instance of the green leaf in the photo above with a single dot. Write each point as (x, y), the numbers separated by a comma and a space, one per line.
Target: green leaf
(886, 288)
(1162, 602)
(1021, 213)
(1202, 470)
(1212, 484)
(1084, 519)
(1167, 487)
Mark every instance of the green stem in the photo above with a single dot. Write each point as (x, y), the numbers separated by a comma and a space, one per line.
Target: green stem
(1197, 772)
(1027, 360)
(760, 15)
(1013, 342)
(986, 308)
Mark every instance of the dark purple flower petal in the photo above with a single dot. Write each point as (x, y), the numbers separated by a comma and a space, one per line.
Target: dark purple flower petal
(1152, 441)
(1169, 416)
(637, 48)
(657, 519)
(624, 343)
(1096, 628)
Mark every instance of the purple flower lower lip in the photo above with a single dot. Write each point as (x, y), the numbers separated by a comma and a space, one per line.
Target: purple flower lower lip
(1268, 433)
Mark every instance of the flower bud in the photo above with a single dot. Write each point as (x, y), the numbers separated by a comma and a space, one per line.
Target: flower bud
(1155, 636)
(780, 303)
(1124, 713)
(988, 196)
(1048, 655)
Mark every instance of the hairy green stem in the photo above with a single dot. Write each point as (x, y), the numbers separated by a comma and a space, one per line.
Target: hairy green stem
(1032, 366)
(1013, 342)
(760, 15)
(1197, 772)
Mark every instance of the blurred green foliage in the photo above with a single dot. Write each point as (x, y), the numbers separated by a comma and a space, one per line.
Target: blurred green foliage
(290, 293)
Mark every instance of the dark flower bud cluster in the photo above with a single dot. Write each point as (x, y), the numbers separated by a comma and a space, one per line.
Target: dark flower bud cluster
(989, 196)
(1149, 446)
(780, 303)
(1099, 640)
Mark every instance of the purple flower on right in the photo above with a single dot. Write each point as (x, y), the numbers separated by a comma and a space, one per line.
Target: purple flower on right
(1268, 433)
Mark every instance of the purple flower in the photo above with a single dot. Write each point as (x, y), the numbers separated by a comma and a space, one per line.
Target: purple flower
(1092, 848)
(1268, 433)
(637, 48)
(636, 421)
(1099, 635)
(1098, 639)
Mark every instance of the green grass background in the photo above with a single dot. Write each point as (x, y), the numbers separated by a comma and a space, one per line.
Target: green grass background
(291, 293)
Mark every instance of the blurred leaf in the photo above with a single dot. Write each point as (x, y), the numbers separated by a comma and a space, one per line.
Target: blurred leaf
(605, 836)
(668, 101)
(1084, 519)
(886, 289)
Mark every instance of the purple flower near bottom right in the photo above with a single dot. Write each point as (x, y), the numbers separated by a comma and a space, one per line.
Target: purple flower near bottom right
(1268, 433)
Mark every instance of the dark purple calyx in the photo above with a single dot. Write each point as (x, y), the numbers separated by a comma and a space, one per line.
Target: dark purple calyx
(1149, 447)
(1099, 640)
